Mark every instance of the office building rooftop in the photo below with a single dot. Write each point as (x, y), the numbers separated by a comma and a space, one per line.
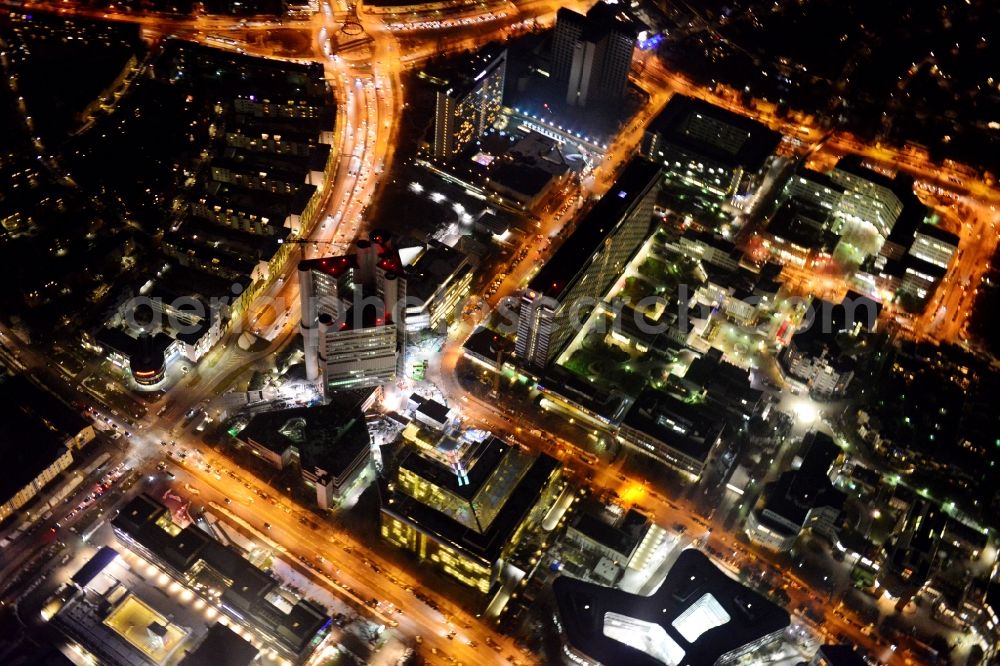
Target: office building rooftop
(245, 588)
(912, 217)
(901, 185)
(621, 536)
(837, 655)
(798, 491)
(608, 404)
(332, 266)
(500, 488)
(824, 321)
(328, 437)
(599, 21)
(697, 615)
(94, 566)
(802, 225)
(431, 410)
(686, 426)
(563, 267)
(429, 264)
(936, 232)
(818, 178)
(486, 345)
(721, 135)
(221, 647)
(722, 383)
(460, 466)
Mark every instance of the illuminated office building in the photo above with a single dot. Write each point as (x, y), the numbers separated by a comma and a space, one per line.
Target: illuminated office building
(357, 308)
(468, 102)
(437, 278)
(463, 505)
(934, 245)
(709, 147)
(586, 264)
(350, 341)
(817, 190)
(870, 197)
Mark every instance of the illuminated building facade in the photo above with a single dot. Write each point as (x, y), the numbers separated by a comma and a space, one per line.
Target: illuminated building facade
(798, 235)
(844, 197)
(357, 308)
(709, 248)
(816, 189)
(709, 147)
(934, 245)
(437, 278)
(177, 315)
(38, 434)
(360, 352)
(592, 54)
(586, 265)
(466, 105)
(27, 482)
(913, 259)
(869, 196)
(464, 506)
(353, 332)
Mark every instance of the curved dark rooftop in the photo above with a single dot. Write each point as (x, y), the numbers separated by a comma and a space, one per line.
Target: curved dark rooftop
(582, 608)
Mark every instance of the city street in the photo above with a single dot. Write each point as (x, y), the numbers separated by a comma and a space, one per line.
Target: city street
(364, 73)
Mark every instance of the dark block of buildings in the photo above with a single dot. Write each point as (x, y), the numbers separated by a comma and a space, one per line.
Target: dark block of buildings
(698, 617)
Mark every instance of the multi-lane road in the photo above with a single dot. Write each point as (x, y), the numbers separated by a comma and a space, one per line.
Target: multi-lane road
(366, 81)
(674, 512)
(335, 559)
(978, 225)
